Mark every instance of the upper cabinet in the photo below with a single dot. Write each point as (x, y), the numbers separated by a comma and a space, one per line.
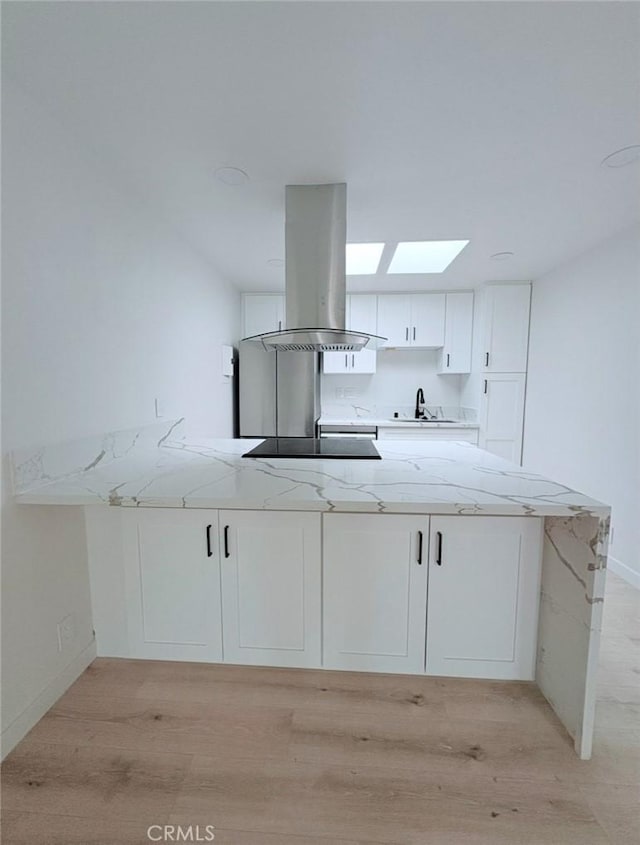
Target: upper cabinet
(412, 320)
(262, 312)
(458, 325)
(361, 315)
(506, 324)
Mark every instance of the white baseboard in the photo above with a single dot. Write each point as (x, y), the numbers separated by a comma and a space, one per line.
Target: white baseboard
(630, 575)
(29, 717)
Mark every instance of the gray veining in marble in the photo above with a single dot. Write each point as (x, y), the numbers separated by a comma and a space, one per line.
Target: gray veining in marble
(158, 467)
(413, 477)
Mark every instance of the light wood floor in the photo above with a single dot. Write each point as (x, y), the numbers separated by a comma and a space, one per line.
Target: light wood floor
(293, 757)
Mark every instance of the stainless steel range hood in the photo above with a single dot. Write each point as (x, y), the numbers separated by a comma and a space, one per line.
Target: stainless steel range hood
(315, 279)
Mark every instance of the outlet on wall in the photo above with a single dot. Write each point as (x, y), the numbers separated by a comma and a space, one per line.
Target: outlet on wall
(66, 631)
(160, 412)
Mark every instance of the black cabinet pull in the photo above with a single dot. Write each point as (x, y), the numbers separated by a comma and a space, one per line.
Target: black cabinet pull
(209, 552)
(406, 333)
(420, 547)
(448, 356)
(226, 541)
(485, 385)
(346, 361)
(414, 332)
(486, 359)
(353, 360)
(439, 548)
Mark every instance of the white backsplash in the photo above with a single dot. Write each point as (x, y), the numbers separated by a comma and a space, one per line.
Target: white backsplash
(393, 388)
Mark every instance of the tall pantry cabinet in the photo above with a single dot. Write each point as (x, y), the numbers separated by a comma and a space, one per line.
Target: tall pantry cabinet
(501, 354)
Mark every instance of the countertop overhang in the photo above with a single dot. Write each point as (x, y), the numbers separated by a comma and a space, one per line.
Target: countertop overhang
(426, 477)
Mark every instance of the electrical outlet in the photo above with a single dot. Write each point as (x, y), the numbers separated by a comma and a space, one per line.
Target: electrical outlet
(66, 632)
(160, 408)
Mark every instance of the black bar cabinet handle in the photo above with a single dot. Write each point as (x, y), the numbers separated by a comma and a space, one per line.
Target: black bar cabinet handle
(485, 385)
(406, 333)
(448, 356)
(226, 541)
(486, 359)
(420, 547)
(439, 548)
(346, 361)
(209, 552)
(414, 332)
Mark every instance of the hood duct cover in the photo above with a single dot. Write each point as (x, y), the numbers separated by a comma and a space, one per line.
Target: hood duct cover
(316, 240)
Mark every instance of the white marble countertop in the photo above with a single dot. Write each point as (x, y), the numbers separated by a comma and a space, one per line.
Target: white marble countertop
(429, 477)
(401, 422)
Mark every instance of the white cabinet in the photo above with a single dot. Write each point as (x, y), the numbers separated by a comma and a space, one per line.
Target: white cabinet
(172, 580)
(502, 415)
(484, 576)
(361, 315)
(375, 586)
(412, 320)
(362, 363)
(271, 585)
(262, 313)
(394, 319)
(506, 328)
(410, 432)
(427, 319)
(455, 356)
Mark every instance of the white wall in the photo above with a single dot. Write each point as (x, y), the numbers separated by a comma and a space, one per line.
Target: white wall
(104, 309)
(399, 374)
(582, 419)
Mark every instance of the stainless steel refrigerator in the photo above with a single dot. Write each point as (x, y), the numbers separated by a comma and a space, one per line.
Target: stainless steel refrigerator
(279, 391)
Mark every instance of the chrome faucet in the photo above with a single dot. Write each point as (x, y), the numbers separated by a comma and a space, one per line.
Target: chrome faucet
(419, 414)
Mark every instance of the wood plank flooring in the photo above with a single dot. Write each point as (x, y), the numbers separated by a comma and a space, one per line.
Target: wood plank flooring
(299, 757)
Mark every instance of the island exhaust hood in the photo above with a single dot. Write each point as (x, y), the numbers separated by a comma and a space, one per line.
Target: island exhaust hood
(315, 277)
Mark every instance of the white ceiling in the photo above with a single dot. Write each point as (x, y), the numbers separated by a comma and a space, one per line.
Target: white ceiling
(477, 120)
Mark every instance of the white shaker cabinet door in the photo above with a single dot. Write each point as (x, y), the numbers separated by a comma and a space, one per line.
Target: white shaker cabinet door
(427, 320)
(484, 577)
(262, 313)
(394, 319)
(271, 587)
(456, 353)
(336, 362)
(502, 415)
(506, 328)
(375, 585)
(172, 579)
(362, 315)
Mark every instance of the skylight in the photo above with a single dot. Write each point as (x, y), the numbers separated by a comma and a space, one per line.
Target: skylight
(424, 256)
(363, 259)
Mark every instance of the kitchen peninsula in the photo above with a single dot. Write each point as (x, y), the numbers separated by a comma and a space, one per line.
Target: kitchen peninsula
(439, 558)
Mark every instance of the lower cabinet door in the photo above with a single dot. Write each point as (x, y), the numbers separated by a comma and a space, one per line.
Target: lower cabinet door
(375, 592)
(484, 582)
(271, 583)
(172, 581)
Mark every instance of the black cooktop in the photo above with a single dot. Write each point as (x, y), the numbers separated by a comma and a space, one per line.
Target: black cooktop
(345, 448)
